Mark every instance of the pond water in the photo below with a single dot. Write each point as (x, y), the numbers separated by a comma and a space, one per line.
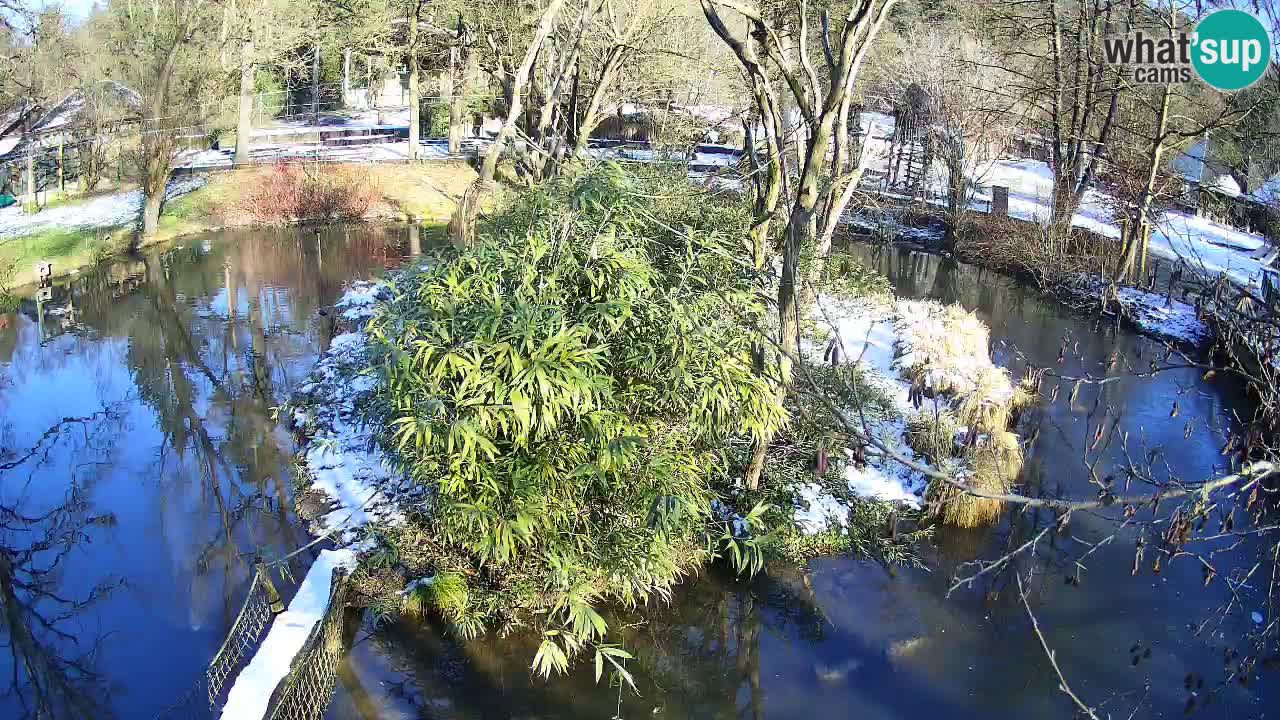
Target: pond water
(163, 466)
(846, 638)
(147, 389)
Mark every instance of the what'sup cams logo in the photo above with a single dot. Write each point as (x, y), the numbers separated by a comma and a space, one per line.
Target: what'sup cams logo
(1228, 49)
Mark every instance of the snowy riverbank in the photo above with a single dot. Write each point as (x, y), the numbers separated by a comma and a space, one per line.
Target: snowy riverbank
(344, 465)
(101, 211)
(922, 356)
(339, 455)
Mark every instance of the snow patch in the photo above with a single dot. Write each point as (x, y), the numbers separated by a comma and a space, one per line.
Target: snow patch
(341, 454)
(102, 211)
(888, 340)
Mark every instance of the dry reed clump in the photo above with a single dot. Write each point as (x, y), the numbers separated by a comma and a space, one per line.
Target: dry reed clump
(992, 468)
(285, 193)
(985, 409)
(1025, 393)
(933, 434)
(1048, 255)
(944, 350)
(940, 345)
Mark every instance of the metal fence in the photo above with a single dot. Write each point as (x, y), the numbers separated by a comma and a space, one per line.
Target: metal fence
(306, 691)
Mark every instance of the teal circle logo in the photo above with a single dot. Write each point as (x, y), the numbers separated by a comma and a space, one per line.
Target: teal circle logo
(1232, 49)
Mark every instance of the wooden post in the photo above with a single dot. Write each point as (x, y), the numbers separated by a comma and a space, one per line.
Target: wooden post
(31, 173)
(999, 200)
(273, 596)
(62, 156)
(346, 76)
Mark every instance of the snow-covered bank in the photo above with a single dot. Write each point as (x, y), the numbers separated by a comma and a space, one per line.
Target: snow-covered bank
(1154, 314)
(253, 687)
(1204, 245)
(920, 355)
(341, 461)
(863, 331)
(101, 211)
(340, 456)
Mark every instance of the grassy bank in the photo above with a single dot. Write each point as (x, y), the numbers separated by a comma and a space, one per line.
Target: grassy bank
(425, 192)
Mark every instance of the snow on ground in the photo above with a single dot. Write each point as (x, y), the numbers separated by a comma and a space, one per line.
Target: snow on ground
(863, 330)
(1175, 321)
(886, 340)
(249, 696)
(1205, 245)
(340, 454)
(1167, 319)
(101, 211)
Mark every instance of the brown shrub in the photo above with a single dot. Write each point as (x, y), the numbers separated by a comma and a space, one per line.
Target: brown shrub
(1047, 255)
(288, 192)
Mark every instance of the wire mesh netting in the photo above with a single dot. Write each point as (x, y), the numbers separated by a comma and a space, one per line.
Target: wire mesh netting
(244, 634)
(307, 690)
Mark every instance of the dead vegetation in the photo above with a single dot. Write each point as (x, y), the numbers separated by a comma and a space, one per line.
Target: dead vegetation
(943, 351)
(284, 193)
(1045, 254)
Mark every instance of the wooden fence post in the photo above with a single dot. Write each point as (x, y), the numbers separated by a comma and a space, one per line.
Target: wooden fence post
(31, 173)
(62, 156)
(273, 596)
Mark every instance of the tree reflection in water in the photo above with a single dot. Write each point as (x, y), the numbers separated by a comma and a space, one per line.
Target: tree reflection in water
(197, 346)
(54, 673)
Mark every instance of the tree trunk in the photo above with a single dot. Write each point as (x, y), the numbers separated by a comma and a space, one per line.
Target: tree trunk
(151, 208)
(515, 90)
(1137, 229)
(315, 85)
(346, 76)
(458, 118)
(448, 90)
(32, 148)
(462, 225)
(415, 109)
(591, 118)
(244, 125)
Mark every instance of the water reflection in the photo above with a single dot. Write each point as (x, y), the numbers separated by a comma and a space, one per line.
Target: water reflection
(847, 639)
(180, 357)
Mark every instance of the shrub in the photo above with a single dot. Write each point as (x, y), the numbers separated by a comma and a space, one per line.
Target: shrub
(285, 192)
(567, 390)
(1048, 256)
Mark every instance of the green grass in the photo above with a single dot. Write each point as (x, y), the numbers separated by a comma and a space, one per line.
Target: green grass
(48, 244)
(67, 249)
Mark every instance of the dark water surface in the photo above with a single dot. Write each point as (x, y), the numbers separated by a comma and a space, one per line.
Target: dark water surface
(847, 639)
(126, 538)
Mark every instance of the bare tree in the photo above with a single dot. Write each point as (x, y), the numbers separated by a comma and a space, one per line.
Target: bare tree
(462, 224)
(1057, 76)
(818, 196)
(164, 50)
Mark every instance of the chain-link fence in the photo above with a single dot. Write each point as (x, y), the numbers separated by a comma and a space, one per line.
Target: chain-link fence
(306, 692)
